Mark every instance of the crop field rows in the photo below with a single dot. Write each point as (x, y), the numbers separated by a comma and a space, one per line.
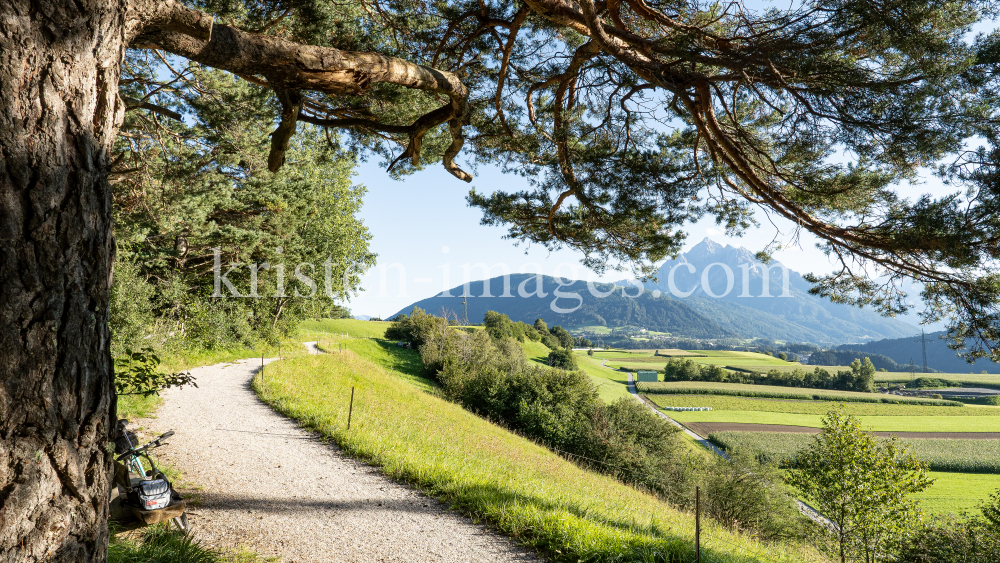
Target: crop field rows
(777, 392)
(953, 455)
(729, 403)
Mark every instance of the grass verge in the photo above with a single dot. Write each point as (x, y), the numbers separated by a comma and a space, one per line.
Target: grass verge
(523, 489)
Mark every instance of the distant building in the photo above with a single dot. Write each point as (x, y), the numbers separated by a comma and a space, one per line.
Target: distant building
(646, 375)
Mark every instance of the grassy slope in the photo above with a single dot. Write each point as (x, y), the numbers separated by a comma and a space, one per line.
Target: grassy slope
(536, 351)
(481, 469)
(611, 384)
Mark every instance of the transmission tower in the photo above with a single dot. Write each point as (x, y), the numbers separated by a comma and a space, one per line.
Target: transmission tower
(923, 347)
(465, 310)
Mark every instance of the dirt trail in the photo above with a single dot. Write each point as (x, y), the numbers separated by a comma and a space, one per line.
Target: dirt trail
(275, 489)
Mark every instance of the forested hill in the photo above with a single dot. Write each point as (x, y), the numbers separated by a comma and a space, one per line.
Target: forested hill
(572, 304)
(939, 356)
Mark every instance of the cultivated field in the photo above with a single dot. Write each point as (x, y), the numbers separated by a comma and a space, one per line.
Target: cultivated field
(728, 403)
(966, 472)
(966, 379)
(778, 392)
(954, 455)
(961, 444)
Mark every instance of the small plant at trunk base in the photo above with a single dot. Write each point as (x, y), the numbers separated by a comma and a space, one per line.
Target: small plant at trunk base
(861, 484)
(136, 374)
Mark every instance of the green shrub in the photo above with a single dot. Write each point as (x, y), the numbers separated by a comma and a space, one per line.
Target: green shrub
(561, 409)
(740, 493)
(562, 358)
(951, 540)
(416, 328)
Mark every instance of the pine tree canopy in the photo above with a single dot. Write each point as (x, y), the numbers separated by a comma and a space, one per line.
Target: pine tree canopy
(629, 118)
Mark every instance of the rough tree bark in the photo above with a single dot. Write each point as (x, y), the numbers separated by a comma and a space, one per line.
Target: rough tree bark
(59, 114)
(59, 110)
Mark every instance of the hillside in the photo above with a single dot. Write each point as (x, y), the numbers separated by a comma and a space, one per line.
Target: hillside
(939, 356)
(478, 468)
(573, 304)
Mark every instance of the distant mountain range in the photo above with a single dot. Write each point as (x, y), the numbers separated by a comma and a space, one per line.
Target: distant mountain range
(572, 304)
(939, 356)
(714, 291)
(727, 284)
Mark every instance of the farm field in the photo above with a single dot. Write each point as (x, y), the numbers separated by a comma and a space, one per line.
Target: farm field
(953, 491)
(966, 379)
(647, 359)
(721, 402)
(777, 392)
(873, 423)
(957, 492)
(956, 455)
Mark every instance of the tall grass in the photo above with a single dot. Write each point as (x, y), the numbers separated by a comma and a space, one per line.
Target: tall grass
(488, 473)
(160, 544)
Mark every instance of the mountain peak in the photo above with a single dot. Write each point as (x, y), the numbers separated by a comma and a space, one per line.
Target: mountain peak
(706, 246)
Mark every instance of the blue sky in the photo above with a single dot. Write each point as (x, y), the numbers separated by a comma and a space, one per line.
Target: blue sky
(423, 231)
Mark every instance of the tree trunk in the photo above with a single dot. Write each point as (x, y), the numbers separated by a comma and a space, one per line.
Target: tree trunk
(59, 111)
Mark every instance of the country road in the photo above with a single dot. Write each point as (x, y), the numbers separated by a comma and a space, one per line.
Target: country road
(259, 482)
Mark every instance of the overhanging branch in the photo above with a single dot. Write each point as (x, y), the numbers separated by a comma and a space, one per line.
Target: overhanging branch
(292, 66)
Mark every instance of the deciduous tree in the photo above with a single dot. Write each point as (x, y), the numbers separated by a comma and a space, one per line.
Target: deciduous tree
(861, 484)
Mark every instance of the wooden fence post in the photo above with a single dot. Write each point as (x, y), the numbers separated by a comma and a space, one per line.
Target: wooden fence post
(350, 409)
(697, 524)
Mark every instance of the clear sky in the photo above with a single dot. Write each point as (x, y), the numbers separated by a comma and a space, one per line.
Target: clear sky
(426, 235)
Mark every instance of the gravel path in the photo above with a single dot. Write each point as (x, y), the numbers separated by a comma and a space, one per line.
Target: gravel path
(272, 488)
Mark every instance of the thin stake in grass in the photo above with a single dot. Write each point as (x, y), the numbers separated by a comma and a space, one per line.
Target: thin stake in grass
(697, 524)
(350, 409)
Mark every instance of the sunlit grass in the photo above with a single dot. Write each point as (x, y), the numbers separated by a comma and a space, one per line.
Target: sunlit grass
(957, 492)
(611, 384)
(160, 544)
(523, 489)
